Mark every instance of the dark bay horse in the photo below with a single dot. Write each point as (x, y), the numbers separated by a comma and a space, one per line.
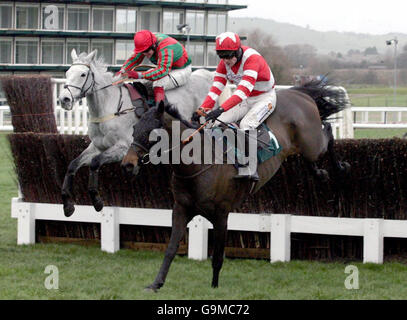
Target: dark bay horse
(299, 124)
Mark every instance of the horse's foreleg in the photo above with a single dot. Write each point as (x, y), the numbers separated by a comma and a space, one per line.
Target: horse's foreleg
(112, 154)
(220, 233)
(67, 186)
(179, 225)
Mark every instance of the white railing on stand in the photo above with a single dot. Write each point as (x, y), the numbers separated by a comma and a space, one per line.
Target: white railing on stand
(381, 120)
(70, 122)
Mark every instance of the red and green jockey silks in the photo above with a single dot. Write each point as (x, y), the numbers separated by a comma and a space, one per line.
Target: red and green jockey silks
(170, 54)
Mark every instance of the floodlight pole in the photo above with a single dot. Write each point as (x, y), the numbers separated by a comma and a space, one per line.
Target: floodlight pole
(185, 28)
(389, 42)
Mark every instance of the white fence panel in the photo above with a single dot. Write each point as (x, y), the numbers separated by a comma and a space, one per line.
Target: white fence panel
(280, 227)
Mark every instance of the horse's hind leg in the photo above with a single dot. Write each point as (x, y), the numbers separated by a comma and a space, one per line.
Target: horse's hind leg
(341, 167)
(321, 174)
(112, 154)
(67, 187)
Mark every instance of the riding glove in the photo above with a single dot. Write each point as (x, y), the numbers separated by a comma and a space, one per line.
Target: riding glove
(195, 116)
(213, 115)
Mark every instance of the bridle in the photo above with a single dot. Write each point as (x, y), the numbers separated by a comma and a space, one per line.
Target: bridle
(142, 152)
(81, 89)
(92, 85)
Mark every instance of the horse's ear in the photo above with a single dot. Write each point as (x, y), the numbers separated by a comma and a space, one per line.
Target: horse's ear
(91, 56)
(160, 109)
(74, 55)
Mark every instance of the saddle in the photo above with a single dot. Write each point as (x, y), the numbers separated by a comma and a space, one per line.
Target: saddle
(267, 144)
(138, 100)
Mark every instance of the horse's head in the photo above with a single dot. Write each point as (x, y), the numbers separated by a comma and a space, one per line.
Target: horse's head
(80, 79)
(138, 153)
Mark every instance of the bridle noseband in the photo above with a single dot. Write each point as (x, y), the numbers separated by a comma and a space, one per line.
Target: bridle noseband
(83, 92)
(144, 157)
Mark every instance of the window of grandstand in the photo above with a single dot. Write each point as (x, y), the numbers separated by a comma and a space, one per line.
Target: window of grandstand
(6, 46)
(79, 45)
(52, 51)
(171, 19)
(26, 51)
(197, 53)
(212, 58)
(196, 20)
(6, 16)
(103, 19)
(126, 20)
(105, 50)
(78, 18)
(46, 13)
(27, 16)
(216, 23)
(150, 20)
(124, 49)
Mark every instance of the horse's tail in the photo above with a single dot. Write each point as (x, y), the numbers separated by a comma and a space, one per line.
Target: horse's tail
(329, 99)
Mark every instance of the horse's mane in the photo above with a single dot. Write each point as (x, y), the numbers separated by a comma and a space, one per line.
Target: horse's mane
(99, 66)
(173, 112)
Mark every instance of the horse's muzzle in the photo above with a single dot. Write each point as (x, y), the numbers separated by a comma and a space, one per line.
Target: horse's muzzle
(66, 102)
(131, 168)
(130, 162)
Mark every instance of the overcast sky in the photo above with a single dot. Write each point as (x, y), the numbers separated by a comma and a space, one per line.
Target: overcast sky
(361, 16)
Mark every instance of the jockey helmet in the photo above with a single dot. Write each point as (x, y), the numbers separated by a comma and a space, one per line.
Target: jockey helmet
(228, 41)
(144, 40)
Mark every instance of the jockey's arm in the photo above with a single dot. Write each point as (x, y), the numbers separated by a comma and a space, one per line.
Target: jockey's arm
(219, 83)
(164, 65)
(134, 60)
(245, 87)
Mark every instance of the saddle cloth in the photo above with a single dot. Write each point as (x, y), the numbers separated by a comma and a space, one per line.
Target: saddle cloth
(267, 144)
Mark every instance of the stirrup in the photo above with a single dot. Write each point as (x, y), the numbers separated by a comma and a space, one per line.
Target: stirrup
(253, 177)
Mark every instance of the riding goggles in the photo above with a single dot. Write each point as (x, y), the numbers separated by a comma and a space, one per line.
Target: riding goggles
(226, 54)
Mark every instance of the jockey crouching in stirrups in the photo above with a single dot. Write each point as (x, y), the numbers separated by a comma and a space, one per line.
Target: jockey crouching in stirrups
(173, 64)
(254, 98)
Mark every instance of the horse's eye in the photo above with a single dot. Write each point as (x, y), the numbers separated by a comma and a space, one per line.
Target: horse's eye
(83, 74)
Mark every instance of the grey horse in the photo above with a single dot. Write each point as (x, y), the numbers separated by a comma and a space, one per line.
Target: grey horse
(112, 117)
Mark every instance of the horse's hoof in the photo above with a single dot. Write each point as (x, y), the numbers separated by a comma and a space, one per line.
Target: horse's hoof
(344, 167)
(98, 205)
(151, 288)
(323, 175)
(69, 210)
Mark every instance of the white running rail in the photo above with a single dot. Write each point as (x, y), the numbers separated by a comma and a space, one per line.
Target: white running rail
(76, 121)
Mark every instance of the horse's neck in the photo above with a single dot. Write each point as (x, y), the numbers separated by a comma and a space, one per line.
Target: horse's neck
(103, 102)
(181, 168)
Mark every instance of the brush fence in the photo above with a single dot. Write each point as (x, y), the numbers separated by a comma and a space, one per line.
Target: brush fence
(280, 227)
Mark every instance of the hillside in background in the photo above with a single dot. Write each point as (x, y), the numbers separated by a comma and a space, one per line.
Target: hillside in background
(325, 42)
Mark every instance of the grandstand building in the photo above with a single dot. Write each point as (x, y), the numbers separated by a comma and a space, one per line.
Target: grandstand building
(38, 36)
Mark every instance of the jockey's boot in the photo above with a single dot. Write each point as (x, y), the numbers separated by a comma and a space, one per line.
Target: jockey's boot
(159, 95)
(245, 171)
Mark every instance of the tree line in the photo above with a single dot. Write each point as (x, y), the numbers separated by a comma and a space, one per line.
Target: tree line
(303, 59)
